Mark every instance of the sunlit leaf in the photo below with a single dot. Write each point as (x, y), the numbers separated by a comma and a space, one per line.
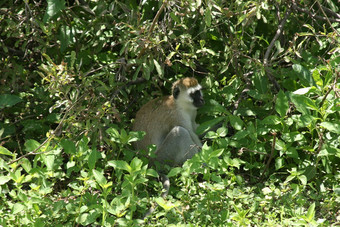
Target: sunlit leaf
(304, 75)
(311, 212)
(174, 172)
(4, 179)
(236, 122)
(303, 179)
(331, 126)
(119, 164)
(17, 208)
(158, 68)
(99, 177)
(5, 151)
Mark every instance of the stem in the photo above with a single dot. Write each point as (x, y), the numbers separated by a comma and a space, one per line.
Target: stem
(271, 155)
(155, 19)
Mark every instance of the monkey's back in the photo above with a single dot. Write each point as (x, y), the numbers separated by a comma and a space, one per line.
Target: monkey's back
(155, 118)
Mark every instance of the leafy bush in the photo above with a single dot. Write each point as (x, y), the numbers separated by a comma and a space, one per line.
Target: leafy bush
(74, 73)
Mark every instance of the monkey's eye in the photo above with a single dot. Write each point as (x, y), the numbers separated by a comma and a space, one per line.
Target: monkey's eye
(195, 94)
(176, 92)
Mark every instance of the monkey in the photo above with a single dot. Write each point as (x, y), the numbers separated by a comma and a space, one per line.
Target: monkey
(169, 123)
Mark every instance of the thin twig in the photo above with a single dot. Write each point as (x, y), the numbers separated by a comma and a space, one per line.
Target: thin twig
(271, 155)
(277, 35)
(270, 47)
(331, 12)
(313, 15)
(329, 90)
(256, 152)
(48, 139)
(155, 19)
(330, 24)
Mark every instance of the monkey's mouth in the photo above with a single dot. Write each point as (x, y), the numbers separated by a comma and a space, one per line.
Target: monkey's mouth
(199, 103)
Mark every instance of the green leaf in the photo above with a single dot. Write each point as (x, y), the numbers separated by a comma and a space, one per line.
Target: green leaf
(236, 122)
(317, 77)
(302, 91)
(7, 100)
(299, 103)
(271, 120)
(158, 68)
(303, 179)
(166, 205)
(303, 102)
(152, 173)
(26, 164)
(289, 178)
(216, 153)
(146, 71)
(99, 177)
(310, 172)
(17, 208)
(4, 179)
(136, 164)
(65, 37)
(280, 145)
(213, 107)
(279, 162)
(206, 126)
(31, 145)
(281, 105)
(49, 161)
(69, 146)
(54, 7)
(207, 17)
(261, 83)
(5, 151)
(304, 75)
(175, 18)
(94, 156)
(174, 171)
(119, 164)
(311, 212)
(332, 127)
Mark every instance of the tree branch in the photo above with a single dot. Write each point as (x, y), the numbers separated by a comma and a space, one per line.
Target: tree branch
(277, 35)
(271, 155)
(297, 8)
(323, 12)
(155, 19)
(54, 133)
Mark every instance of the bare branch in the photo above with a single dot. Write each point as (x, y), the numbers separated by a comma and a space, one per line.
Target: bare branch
(277, 35)
(313, 15)
(53, 134)
(330, 12)
(330, 24)
(155, 19)
(271, 155)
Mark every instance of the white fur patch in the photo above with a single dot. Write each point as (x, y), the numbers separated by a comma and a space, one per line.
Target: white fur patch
(193, 89)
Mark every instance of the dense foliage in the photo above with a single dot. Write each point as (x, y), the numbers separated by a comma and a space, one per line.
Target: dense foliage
(74, 73)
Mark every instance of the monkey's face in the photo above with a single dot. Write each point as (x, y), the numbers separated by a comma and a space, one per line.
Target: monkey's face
(197, 98)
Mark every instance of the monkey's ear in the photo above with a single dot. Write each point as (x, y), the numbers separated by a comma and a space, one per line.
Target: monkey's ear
(175, 92)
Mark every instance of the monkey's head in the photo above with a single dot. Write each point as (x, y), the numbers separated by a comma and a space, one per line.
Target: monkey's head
(188, 92)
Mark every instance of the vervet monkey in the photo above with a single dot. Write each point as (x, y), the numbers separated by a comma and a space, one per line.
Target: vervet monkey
(169, 123)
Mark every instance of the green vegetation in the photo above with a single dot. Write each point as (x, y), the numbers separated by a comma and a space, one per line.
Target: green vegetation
(74, 73)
